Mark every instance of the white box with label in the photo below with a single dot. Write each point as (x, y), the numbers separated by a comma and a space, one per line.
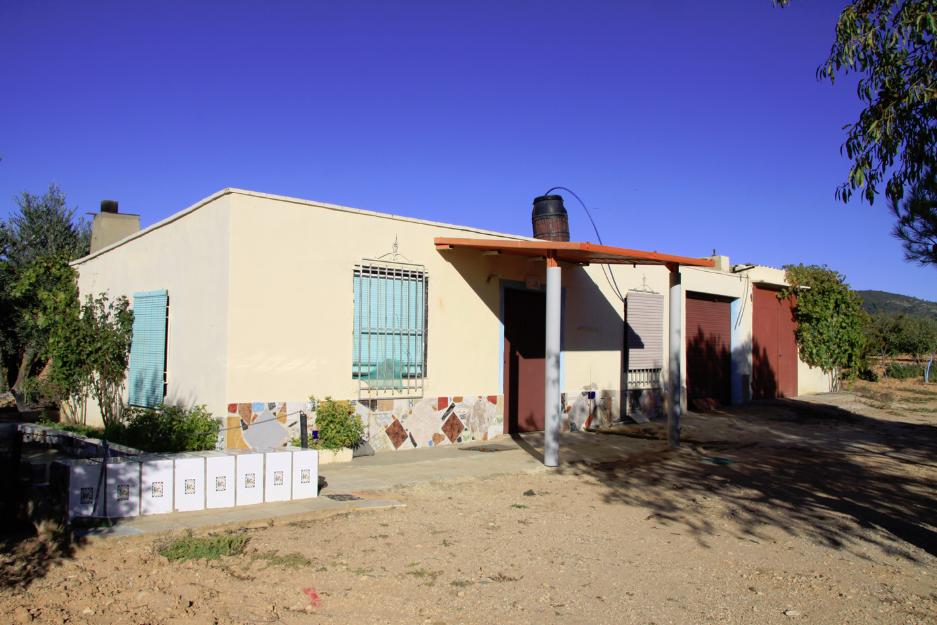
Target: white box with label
(277, 475)
(156, 484)
(122, 493)
(219, 480)
(189, 493)
(249, 474)
(305, 473)
(83, 480)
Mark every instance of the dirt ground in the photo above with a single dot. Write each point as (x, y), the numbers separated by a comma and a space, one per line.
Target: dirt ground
(819, 511)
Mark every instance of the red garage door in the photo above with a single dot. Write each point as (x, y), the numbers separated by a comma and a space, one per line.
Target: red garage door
(774, 347)
(708, 355)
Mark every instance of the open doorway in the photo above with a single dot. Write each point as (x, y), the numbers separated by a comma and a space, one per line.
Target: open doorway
(524, 360)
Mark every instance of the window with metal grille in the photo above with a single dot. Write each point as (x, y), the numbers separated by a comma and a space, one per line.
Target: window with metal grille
(389, 342)
(146, 381)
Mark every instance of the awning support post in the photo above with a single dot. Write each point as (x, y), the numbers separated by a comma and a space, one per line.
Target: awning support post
(676, 343)
(552, 408)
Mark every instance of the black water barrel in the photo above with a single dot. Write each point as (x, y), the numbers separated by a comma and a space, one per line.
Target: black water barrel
(549, 217)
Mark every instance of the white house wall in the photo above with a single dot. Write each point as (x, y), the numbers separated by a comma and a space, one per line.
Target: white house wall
(187, 255)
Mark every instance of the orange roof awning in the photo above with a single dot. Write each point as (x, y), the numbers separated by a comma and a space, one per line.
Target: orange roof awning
(570, 252)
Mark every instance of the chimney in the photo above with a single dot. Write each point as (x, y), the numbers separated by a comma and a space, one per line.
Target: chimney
(721, 262)
(110, 226)
(549, 218)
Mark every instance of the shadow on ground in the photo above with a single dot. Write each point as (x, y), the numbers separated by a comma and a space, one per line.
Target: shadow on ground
(840, 478)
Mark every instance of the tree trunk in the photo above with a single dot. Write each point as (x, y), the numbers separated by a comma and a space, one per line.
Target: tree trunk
(26, 364)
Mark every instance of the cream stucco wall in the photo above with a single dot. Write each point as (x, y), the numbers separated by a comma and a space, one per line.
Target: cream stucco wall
(187, 255)
(292, 303)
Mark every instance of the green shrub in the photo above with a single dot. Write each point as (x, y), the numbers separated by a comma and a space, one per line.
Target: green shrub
(337, 423)
(166, 429)
(77, 428)
(203, 547)
(904, 371)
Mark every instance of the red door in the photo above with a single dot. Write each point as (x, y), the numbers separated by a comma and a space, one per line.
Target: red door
(708, 355)
(524, 359)
(774, 346)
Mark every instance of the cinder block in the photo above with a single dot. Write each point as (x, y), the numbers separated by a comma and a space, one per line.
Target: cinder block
(156, 484)
(305, 473)
(277, 475)
(189, 477)
(219, 480)
(249, 469)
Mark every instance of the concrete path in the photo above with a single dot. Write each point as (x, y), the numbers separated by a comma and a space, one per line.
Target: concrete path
(388, 470)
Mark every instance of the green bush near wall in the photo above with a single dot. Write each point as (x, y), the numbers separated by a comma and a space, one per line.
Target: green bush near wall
(337, 423)
(166, 429)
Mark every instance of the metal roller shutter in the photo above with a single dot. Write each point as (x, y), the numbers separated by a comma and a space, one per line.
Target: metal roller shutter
(708, 350)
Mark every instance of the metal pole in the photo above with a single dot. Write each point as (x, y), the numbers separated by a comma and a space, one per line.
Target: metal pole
(303, 433)
(676, 344)
(552, 408)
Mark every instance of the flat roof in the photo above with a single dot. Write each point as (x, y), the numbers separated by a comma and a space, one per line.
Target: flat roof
(571, 252)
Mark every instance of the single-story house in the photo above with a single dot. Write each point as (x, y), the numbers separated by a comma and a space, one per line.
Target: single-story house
(252, 303)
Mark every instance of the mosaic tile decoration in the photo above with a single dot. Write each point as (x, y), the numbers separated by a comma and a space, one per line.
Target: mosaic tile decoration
(305, 476)
(452, 428)
(250, 480)
(157, 489)
(432, 421)
(87, 495)
(278, 478)
(396, 433)
(221, 483)
(190, 487)
(123, 492)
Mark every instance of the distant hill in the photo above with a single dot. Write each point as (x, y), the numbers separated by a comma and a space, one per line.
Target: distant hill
(895, 304)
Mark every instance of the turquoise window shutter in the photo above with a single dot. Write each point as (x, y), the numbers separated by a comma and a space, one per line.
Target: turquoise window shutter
(148, 349)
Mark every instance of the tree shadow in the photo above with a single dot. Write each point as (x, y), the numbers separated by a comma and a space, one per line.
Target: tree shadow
(837, 478)
(33, 535)
(708, 369)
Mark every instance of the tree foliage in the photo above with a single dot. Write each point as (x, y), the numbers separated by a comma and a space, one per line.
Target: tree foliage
(90, 348)
(917, 220)
(830, 320)
(892, 45)
(37, 241)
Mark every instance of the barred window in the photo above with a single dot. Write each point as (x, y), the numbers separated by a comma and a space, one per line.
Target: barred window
(389, 342)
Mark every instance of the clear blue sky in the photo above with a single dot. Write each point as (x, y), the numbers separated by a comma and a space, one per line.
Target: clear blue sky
(687, 126)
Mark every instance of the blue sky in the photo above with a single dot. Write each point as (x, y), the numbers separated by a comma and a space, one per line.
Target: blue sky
(685, 126)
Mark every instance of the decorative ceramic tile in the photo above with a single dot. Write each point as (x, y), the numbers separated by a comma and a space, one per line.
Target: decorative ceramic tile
(250, 480)
(305, 476)
(87, 495)
(396, 433)
(278, 478)
(452, 428)
(190, 487)
(123, 492)
(157, 489)
(221, 483)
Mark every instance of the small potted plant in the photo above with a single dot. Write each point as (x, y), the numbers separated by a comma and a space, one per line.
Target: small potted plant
(339, 429)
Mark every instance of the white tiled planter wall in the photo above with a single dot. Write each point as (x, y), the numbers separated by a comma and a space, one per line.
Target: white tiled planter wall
(162, 483)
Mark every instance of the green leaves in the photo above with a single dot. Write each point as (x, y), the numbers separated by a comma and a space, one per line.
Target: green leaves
(892, 44)
(89, 347)
(830, 319)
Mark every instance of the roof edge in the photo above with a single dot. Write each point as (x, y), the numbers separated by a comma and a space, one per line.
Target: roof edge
(292, 200)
